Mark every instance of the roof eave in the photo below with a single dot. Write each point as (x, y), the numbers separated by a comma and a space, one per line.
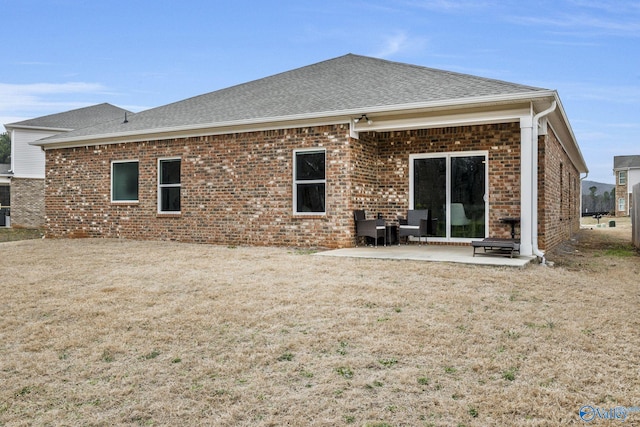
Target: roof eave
(276, 122)
(566, 133)
(42, 128)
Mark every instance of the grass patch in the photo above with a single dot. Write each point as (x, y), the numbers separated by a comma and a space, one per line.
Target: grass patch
(345, 372)
(387, 363)
(285, 357)
(16, 234)
(152, 355)
(510, 374)
(621, 251)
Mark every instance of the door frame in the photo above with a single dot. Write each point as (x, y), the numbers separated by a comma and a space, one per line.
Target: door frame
(448, 155)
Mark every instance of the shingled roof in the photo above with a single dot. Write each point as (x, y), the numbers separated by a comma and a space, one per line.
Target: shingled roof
(626, 162)
(74, 119)
(343, 85)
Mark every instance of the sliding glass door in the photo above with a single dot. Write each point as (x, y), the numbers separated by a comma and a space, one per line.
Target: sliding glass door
(454, 187)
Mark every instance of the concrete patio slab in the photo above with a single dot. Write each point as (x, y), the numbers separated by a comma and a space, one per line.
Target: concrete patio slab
(437, 253)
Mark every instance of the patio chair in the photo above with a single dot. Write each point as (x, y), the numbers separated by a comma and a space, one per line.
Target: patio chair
(458, 215)
(374, 228)
(418, 224)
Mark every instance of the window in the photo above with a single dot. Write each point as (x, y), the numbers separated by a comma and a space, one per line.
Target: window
(621, 204)
(169, 185)
(622, 177)
(124, 181)
(309, 182)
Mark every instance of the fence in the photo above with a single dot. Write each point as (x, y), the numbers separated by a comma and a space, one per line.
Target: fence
(635, 216)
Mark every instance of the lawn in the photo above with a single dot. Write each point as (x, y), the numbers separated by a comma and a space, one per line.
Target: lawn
(116, 332)
(13, 234)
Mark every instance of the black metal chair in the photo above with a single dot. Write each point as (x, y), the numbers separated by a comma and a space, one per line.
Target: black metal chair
(418, 223)
(374, 228)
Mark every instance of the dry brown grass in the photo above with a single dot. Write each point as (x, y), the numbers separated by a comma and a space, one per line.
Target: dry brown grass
(13, 234)
(108, 332)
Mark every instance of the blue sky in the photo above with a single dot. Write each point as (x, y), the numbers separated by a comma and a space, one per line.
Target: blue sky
(59, 55)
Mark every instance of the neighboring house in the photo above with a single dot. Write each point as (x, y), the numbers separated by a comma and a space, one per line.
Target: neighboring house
(27, 161)
(285, 160)
(627, 172)
(5, 181)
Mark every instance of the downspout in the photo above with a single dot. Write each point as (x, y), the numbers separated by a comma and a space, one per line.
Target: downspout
(581, 179)
(534, 191)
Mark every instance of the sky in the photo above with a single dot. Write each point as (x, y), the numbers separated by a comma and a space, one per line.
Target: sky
(58, 55)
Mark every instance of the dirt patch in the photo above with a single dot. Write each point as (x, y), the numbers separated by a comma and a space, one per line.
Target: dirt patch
(115, 332)
(592, 248)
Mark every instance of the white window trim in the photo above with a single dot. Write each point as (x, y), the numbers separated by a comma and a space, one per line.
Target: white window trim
(161, 186)
(312, 181)
(622, 204)
(620, 175)
(111, 183)
(448, 155)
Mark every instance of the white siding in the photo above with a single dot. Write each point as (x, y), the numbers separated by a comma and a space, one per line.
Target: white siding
(633, 178)
(27, 161)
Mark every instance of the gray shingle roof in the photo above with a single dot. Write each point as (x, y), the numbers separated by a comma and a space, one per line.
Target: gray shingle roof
(626, 162)
(75, 119)
(345, 83)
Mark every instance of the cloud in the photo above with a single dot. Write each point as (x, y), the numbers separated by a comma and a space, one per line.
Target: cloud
(27, 99)
(399, 42)
(588, 18)
(615, 94)
(451, 5)
(609, 6)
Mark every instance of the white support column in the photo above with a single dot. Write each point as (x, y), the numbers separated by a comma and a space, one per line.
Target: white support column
(526, 185)
(353, 133)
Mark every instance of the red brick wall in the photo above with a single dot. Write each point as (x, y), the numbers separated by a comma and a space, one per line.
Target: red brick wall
(365, 179)
(622, 192)
(502, 141)
(236, 189)
(558, 193)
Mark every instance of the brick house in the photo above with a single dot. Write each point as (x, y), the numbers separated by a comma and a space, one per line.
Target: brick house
(627, 172)
(27, 169)
(284, 160)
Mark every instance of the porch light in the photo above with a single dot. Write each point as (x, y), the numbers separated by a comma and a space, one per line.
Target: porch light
(363, 117)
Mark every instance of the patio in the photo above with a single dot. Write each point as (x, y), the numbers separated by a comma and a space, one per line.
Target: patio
(437, 253)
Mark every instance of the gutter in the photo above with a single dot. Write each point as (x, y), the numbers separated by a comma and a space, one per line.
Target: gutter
(534, 193)
(582, 179)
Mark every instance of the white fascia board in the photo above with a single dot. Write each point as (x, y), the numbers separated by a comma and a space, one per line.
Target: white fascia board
(8, 127)
(281, 122)
(182, 132)
(29, 176)
(445, 120)
(561, 127)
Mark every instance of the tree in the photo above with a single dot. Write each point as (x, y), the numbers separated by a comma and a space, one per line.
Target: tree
(592, 191)
(5, 148)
